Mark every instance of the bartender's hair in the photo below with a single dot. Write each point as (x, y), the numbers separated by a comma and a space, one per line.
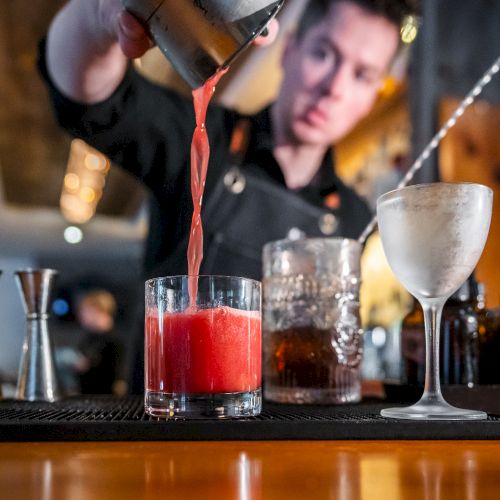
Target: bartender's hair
(98, 298)
(394, 10)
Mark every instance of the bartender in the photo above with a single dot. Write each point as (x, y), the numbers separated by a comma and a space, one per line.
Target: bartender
(333, 66)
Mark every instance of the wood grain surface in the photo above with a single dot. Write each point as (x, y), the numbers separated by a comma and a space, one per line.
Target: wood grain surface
(252, 470)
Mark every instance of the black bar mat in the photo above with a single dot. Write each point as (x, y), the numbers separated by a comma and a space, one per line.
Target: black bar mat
(105, 418)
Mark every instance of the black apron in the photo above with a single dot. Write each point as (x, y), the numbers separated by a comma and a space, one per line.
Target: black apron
(238, 224)
(247, 209)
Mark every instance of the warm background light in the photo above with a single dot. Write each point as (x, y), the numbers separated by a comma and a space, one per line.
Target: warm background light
(409, 29)
(83, 183)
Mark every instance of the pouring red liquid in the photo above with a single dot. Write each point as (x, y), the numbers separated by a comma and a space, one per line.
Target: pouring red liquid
(200, 153)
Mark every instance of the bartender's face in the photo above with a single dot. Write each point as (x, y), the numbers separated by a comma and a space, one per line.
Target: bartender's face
(332, 74)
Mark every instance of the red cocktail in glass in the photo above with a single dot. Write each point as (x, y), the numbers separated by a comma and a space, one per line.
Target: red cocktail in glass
(203, 360)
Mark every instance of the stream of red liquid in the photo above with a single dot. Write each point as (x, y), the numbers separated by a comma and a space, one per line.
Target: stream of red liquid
(200, 153)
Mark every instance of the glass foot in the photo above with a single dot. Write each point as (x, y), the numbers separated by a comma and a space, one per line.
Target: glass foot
(433, 411)
(218, 405)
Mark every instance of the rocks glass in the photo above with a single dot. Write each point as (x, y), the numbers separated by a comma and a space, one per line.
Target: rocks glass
(203, 353)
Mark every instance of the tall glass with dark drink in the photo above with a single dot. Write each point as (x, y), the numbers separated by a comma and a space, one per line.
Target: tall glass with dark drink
(311, 325)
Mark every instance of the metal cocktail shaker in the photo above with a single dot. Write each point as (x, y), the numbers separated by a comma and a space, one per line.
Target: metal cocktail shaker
(200, 36)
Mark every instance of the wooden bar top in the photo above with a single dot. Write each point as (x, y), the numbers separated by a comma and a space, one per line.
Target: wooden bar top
(242, 470)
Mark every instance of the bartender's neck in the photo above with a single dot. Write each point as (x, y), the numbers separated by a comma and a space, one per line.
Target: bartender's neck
(299, 162)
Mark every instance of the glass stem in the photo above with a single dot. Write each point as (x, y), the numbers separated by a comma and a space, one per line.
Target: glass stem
(432, 319)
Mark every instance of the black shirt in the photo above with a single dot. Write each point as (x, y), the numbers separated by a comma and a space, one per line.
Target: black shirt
(102, 352)
(147, 130)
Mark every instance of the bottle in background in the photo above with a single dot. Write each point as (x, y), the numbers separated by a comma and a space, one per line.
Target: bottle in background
(413, 346)
(459, 340)
(489, 339)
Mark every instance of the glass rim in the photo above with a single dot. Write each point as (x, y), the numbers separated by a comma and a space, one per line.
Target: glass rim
(413, 187)
(277, 244)
(33, 270)
(217, 276)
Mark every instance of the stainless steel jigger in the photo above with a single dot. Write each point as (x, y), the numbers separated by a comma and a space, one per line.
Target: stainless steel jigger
(1, 394)
(37, 378)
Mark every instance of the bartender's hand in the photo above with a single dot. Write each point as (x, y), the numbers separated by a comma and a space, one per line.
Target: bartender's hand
(271, 33)
(132, 35)
(88, 44)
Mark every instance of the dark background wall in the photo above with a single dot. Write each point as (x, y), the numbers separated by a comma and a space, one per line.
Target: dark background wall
(457, 42)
